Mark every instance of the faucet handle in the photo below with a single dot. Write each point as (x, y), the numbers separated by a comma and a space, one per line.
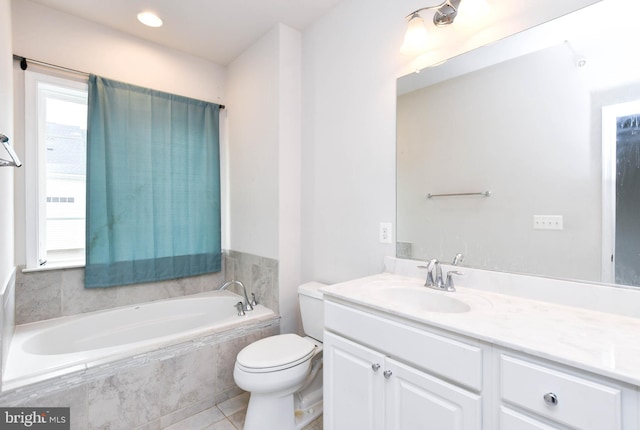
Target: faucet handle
(457, 259)
(240, 309)
(254, 302)
(428, 264)
(449, 283)
(429, 281)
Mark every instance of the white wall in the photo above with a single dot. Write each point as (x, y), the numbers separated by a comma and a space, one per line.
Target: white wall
(6, 127)
(350, 63)
(263, 156)
(252, 152)
(57, 38)
(290, 99)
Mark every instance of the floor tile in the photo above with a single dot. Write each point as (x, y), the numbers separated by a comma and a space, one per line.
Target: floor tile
(238, 418)
(200, 420)
(234, 404)
(315, 424)
(222, 425)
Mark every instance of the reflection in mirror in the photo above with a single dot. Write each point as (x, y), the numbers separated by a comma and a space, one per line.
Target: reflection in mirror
(548, 121)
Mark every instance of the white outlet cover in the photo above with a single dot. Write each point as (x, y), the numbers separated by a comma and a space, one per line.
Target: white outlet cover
(548, 222)
(386, 232)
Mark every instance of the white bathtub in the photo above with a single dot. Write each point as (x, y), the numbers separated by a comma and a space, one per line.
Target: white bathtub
(50, 348)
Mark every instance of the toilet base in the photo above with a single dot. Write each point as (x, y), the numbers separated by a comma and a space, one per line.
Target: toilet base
(308, 415)
(276, 411)
(308, 401)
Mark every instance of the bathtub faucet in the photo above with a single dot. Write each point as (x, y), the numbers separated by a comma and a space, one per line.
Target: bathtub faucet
(247, 303)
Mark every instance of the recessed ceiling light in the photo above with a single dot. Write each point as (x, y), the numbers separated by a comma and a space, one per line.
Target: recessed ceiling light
(150, 19)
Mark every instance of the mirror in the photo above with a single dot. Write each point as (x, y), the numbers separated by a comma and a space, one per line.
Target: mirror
(547, 121)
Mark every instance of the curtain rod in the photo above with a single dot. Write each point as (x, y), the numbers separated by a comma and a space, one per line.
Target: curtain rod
(24, 65)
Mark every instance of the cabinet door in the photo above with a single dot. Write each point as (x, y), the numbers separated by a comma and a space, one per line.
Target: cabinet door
(353, 386)
(418, 401)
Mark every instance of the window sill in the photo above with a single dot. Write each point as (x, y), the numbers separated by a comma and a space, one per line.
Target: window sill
(55, 266)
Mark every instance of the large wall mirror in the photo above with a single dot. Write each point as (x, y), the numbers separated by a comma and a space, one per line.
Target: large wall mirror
(548, 122)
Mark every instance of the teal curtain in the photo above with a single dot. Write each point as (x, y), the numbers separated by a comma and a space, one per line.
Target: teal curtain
(153, 185)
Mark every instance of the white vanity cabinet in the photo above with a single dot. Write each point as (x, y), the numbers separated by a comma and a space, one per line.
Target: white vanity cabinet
(383, 372)
(382, 385)
(367, 390)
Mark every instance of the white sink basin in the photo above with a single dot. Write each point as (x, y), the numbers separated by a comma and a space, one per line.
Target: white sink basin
(423, 299)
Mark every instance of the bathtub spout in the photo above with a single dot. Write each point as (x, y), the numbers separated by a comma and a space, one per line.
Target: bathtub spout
(247, 303)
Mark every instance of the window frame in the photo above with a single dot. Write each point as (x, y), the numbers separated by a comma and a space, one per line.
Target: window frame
(35, 171)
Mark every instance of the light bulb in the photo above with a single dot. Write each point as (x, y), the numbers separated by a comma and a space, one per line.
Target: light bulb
(149, 19)
(471, 11)
(416, 37)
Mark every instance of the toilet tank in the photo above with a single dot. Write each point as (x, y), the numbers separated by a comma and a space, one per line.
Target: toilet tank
(312, 309)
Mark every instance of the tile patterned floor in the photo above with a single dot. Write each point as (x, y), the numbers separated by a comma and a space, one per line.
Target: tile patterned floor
(227, 415)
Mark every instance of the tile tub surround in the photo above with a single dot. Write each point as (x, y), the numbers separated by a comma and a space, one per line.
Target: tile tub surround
(148, 391)
(55, 293)
(258, 274)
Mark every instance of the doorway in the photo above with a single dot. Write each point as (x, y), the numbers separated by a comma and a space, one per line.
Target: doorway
(621, 193)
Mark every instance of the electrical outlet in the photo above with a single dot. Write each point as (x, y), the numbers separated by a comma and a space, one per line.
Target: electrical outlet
(385, 233)
(547, 222)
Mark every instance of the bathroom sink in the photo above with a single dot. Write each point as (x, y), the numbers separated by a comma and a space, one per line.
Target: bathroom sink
(423, 299)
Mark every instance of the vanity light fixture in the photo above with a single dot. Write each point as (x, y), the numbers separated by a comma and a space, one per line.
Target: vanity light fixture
(416, 38)
(150, 19)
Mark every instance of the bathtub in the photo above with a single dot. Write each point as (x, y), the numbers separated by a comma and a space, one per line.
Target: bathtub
(51, 348)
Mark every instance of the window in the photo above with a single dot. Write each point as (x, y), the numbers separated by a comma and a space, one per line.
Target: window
(56, 130)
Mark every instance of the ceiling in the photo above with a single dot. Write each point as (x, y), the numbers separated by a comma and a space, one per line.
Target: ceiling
(217, 30)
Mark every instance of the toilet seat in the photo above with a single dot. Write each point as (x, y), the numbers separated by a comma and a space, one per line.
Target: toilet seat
(275, 353)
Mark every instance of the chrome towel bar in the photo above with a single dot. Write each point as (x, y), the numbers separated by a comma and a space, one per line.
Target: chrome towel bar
(483, 193)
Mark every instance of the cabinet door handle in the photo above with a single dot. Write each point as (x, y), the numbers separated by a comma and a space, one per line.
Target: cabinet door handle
(387, 374)
(551, 399)
(375, 367)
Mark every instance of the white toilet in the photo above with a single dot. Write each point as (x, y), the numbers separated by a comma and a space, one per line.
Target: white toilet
(283, 373)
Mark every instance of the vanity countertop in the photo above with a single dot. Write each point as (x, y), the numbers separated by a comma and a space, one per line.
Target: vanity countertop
(606, 344)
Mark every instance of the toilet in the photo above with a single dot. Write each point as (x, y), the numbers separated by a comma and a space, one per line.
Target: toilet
(283, 373)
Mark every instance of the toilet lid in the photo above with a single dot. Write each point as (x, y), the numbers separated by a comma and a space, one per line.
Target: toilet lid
(275, 351)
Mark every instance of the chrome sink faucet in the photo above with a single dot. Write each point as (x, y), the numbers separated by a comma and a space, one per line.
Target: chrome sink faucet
(247, 306)
(432, 282)
(437, 281)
